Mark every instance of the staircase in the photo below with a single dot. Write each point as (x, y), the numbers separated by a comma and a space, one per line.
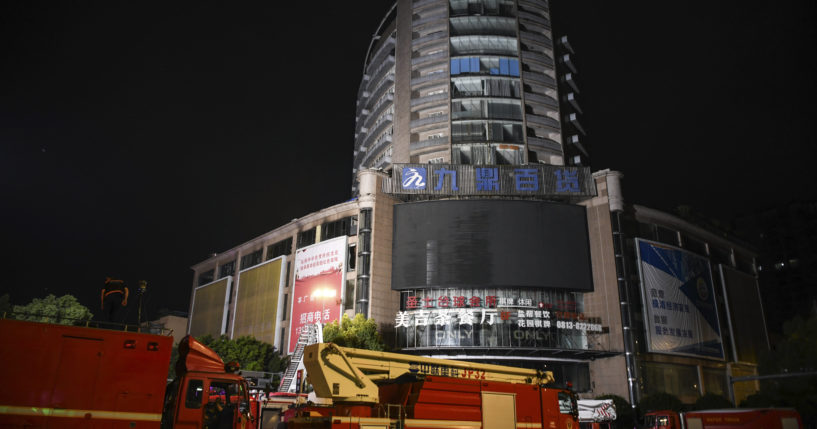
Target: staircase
(310, 334)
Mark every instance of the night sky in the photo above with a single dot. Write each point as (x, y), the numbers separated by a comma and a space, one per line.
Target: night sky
(138, 138)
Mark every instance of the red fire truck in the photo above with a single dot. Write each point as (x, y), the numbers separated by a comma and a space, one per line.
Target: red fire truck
(357, 389)
(56, 376)
(732, 418)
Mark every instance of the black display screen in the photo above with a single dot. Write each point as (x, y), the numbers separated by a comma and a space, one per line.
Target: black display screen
(490, 243)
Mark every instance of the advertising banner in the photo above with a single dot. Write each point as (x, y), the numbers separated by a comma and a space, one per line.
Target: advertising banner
(680, 313)
(320, 274)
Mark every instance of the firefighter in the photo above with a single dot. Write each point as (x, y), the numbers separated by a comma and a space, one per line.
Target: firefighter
(114, 299)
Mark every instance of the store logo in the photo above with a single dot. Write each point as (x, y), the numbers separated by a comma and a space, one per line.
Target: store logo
(414, 178)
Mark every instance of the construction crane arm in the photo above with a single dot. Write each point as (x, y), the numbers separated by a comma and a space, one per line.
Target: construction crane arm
(351, 375)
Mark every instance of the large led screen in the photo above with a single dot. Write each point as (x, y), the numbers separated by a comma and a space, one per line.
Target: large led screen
(745, 314)
(490, 244)
(320, 274)
(259, 301)
(680, 312)
(209, 312)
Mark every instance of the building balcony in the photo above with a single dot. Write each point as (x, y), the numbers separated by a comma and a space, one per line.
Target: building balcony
(540, 5)
(376, 130)
(541, 99)
(375, 149)
(439, 57)
(385, 161)
(382, 87)
(536, 57)
(543, 121)
(436, 36)
(431, 120)
(536, 41)
(539, 78)
(387, 102)
(429, 99)
(543, 143)
(424, 145)
(433, 77)
(432, 16)
(419, 4)
(535, 18)
(382, 69)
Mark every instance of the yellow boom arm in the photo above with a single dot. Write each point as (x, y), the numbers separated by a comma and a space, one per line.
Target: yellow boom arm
(349, 375)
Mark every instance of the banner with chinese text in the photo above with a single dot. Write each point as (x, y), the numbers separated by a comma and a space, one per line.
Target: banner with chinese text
(320, 274)
(518, 180)
(680, 312)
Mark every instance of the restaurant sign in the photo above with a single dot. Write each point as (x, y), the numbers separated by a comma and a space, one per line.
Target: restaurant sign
(474, 310)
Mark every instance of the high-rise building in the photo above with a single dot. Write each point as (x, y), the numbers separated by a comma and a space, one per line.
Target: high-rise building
(467, 82)
(478, 231)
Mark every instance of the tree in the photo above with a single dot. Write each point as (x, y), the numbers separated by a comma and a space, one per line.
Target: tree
(625, 416)
(794, 354)
(5, 304)
(712, 401)
(660, 401)
(251, 354)
(65, 310)
(359, 333)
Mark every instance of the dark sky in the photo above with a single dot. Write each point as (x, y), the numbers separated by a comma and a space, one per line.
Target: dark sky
(137, 138)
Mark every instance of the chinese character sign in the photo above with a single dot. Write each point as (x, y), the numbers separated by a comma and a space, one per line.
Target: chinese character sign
(319, 281)
(461, 179)
(679, 301)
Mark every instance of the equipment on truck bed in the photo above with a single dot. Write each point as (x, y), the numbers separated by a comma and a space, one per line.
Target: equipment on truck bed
(361, 388)
(57, 376)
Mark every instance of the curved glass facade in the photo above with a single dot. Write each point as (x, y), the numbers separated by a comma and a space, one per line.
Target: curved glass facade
(471, 82)
(486, 112)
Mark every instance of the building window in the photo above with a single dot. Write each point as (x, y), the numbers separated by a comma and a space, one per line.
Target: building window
(283, 247)
(349, 298)
(667, 236)
(338, 228)
(251, 259)
(306, 238)
(286, 301)
(352, 257)
(206, 277)
(227, 269)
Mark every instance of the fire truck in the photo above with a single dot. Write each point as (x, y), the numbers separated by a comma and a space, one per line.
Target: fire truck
(732, 418)
(363, 389)
(56, 376)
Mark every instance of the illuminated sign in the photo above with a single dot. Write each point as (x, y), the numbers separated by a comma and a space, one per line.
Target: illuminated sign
(459, 179)
(474, 310)
(320, 272)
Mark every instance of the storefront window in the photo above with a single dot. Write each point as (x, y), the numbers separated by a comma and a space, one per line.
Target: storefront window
(492, 318)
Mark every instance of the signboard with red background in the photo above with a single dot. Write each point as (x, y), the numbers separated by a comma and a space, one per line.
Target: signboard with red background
(320, 275)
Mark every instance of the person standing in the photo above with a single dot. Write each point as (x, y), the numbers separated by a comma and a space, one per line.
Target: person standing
(114, 299)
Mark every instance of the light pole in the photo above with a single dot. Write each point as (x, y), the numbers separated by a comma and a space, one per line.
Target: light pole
(143, 285)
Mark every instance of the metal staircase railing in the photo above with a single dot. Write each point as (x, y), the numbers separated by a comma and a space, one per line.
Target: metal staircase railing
(309, 335)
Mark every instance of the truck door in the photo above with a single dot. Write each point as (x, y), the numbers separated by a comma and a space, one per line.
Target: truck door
(498, 410)
(568, 410)
(191, 401)
(222, 401)
(76, 380)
